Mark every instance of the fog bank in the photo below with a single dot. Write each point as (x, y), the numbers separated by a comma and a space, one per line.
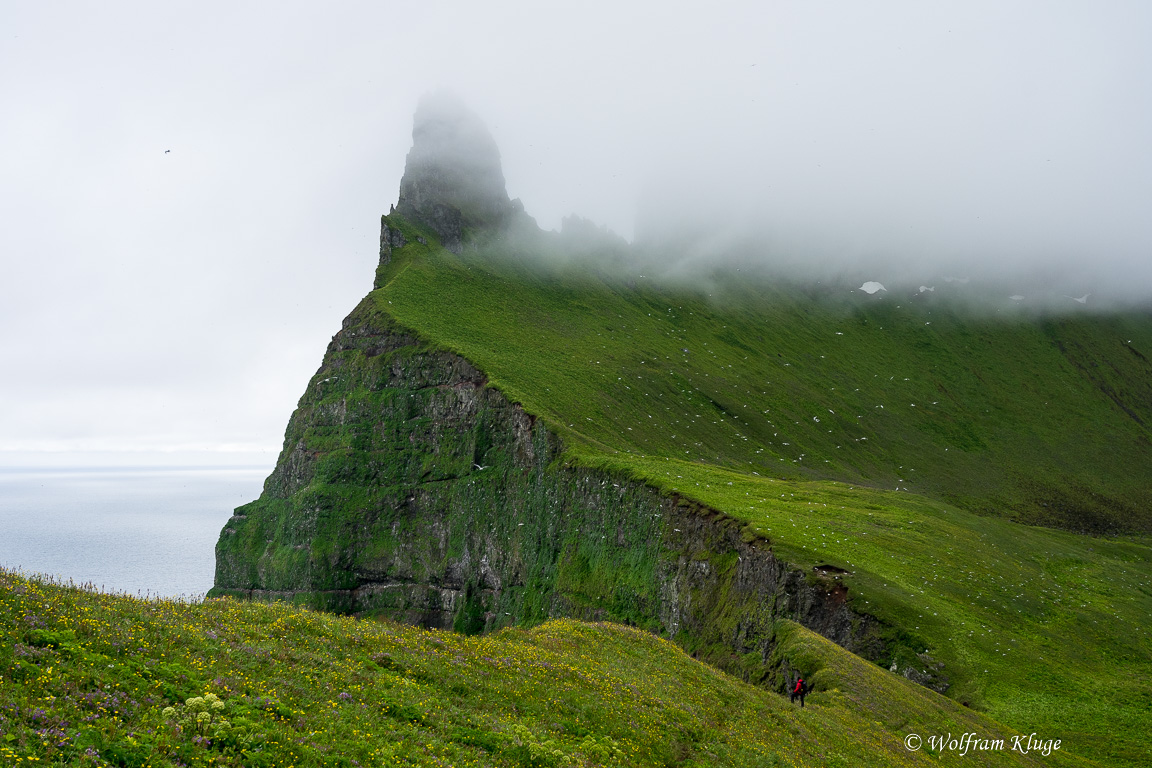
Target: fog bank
(192, 191)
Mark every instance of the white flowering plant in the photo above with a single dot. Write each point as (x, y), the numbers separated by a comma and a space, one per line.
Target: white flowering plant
(203, 719)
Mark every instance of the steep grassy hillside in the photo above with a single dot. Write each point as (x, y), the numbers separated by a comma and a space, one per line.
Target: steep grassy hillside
(902, 442)
(89, 679)
(1044, 420)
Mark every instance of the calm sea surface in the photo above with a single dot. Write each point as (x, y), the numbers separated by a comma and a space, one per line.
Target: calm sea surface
(148, 530)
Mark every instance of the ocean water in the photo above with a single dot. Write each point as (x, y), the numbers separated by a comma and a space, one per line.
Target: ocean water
(150, 531)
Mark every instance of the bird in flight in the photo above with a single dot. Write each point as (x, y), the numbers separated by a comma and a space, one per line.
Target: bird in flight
(1083, 299)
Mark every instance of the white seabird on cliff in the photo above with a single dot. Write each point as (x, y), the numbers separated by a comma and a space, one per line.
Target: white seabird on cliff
(871, 287)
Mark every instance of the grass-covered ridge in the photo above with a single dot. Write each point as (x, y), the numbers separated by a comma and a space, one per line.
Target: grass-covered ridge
(95, 679)
(896, 439)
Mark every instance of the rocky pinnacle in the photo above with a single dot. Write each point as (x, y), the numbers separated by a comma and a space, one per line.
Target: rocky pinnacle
(452, 178)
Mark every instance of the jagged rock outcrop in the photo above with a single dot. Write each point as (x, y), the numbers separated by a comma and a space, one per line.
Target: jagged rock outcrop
(453, 179)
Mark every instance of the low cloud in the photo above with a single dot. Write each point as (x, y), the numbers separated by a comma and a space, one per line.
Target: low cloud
(897, 143)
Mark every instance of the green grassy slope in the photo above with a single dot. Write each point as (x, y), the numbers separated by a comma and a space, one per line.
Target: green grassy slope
(1039, 420)
(88, 680)
(804, 412)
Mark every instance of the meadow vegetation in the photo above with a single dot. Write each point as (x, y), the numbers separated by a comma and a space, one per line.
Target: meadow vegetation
(91, 679)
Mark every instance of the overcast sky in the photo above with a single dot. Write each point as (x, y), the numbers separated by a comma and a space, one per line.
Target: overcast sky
(191, 191)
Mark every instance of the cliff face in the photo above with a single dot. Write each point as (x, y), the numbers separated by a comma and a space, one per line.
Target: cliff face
(409, 488)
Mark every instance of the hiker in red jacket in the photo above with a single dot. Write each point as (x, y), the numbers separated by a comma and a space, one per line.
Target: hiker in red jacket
(800, 690)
